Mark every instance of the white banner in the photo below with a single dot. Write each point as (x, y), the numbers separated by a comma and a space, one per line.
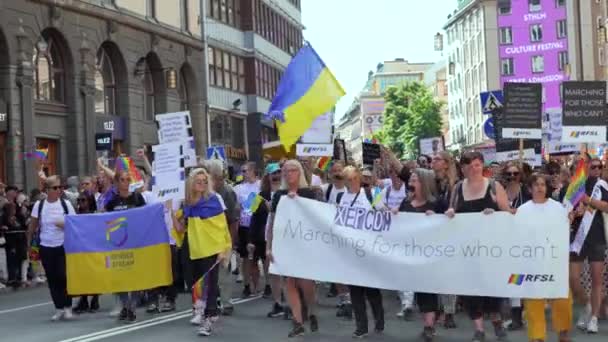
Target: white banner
(502, 255)
(522, 133)
(320, 130)
(530, 156)
(583, 134)
(314, 150)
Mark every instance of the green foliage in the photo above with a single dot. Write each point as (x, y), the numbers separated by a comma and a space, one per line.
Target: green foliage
(410, 114)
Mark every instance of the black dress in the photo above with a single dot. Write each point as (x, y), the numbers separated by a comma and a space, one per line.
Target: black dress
(477, 306)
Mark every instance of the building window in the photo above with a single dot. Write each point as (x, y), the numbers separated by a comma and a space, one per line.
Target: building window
(562, 29)
(149, 98)
(562, 60)
(136, 6)
(504, 7)
(226, 70)
(536, 33)
(275, 28)
(105, 87)
(193, 12)
(267, 79)
(560, 3)
(534, 5)
(49, 76)
(506, 67)
(182, 92)
(506, 36)
(226, 11)
(538, 64)
(168, 12)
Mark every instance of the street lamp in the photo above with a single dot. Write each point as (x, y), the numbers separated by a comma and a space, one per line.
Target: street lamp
(171, 77)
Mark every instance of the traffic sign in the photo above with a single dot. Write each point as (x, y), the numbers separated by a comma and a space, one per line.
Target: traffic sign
(491, 100)
(216, 152)
(488, 128)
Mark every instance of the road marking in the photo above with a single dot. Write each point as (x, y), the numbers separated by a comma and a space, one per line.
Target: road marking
(24, 307)
(144, 324)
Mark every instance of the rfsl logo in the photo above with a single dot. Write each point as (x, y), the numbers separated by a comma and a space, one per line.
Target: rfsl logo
(520, 133)
(314, 149)
(518, 279)
(576, 134)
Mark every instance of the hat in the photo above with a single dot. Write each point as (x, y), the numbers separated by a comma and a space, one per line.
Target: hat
(272, 168)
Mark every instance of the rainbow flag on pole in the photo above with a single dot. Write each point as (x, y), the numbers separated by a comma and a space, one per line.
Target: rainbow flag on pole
(576, 188)
(307, 90)
(324, 164)
(127, 164)
(200, 289)
(117, 251)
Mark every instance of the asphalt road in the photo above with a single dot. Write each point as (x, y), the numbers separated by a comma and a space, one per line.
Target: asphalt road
(25, 317)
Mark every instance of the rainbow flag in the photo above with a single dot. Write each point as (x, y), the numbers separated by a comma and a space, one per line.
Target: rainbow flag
(376, 196)
(41, 153)
(576, 188)
(516, 279)
(324, 164)
(307, 90)
(200, 289)
(127, 164)
(117, 250)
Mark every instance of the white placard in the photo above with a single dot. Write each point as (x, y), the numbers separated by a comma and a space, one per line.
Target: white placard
(174, 127)
(167, 158)
(471, 254)
(584, 134)
(530, 156)
(431, 146)
(522, 133)
(320, 130)
(314, 150)
(557, 147)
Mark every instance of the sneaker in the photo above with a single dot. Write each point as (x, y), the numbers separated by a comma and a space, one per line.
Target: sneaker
(68, 314)
(58, 315)
(82, 306)
(239, 278)
(277, 311)
(122, 316)
(314, 323)
(94, 307)
(38, 280)
(197, 319)
(359, 334)
(479, 336)
(116, 311)
(167, 306)
(345, 311)
(592, 326)
(205, 329)
(152, 308)
(379, 328)
(449, 322)
(246, 291)
(500, 331)
(287, 314)
(298, 330)
(267, 291)
(428, 334)
(131, 318)
(584, 318)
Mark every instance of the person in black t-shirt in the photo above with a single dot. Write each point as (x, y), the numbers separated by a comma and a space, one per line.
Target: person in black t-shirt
(294, 185)
(125, 200)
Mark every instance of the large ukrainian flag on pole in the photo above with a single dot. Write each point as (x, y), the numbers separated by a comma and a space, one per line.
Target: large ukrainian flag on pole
(118, 251)
(307, 90)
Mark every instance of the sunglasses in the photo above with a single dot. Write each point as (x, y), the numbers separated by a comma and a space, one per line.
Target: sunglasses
(595, 167)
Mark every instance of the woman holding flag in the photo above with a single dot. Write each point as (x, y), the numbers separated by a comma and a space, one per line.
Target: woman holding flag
(208, 239)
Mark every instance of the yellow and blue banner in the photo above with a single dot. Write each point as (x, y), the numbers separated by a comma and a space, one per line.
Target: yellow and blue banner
(117, 251)
(208, 232)
(307, 90)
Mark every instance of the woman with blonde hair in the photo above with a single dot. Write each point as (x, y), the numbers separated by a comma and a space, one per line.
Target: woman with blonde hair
(293, 185)
(205, 224)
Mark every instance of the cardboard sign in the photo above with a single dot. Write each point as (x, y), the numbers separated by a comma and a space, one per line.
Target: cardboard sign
(584, 112)
(523, 111)
(371, 152)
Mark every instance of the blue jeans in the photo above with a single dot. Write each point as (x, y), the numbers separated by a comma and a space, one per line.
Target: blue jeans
(129, 300)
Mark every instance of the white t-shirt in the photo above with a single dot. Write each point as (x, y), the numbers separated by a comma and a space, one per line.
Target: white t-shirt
(352, 200)
(395, 197)
(243, 192)
(315, 180)
(50, 234)
(385, 183)
(333, 194)
(550, 207)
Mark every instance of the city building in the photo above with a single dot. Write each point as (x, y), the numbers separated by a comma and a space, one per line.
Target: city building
(587, 39)
(472, 54)
(435, 78)
(349, 129)
(70, 69)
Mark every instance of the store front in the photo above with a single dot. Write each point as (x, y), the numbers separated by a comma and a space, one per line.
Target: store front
(117, 126)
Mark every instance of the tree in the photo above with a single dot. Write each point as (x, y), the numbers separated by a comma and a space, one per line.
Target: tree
(410, 114)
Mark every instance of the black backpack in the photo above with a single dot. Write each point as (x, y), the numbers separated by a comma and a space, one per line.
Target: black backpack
(63, 204)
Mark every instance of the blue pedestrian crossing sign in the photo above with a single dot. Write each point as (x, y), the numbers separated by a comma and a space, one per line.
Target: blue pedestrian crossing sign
(491, 100)
(216, 152)
(488, 128)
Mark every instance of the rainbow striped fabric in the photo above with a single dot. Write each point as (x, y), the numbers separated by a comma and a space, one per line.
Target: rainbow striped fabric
(127, 164)
(576, 188)
(324, 164)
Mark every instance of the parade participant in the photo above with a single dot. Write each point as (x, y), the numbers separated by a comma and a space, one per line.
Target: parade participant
(479, 194)
(358, 197)
(593, 248)
(211, 240)
(14, 227)
(85, 204)
(294, 184)
(561, 308)
(48, 221)
(244, 191)
(446, 176)
(226, 280)
(423, 199)
(124, 200)
(517, 193)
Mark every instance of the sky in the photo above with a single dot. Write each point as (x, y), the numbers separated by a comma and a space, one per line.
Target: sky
(353, 36)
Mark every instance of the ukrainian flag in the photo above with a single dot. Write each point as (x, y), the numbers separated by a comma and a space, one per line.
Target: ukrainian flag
(208, 232)
(307, 90)
(118, 251)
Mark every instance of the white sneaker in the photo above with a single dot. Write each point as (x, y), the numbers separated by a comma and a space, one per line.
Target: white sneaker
(2, 286)
(58, 315)
(584, 318)
(592, 326)
(205, 329)
(38, 280)
(239, 278)
(67, 314)
(116, 311)
(197, 319)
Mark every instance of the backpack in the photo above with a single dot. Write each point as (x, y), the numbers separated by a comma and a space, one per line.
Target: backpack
(328, 192)
(63, 204)
(368, 194)
(458, 187)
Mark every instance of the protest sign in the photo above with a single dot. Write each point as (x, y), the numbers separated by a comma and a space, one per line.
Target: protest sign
(431, 146)
(479, 254)
(523, 111)
(177, 128)
(371, 152)
(584, 111)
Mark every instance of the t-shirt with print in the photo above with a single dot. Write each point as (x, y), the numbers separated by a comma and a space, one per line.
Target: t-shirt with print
(333, 195)
(52, 212)
(355, 200)
(118, 203)
(392, 199)
(244, 193)
(303, 192)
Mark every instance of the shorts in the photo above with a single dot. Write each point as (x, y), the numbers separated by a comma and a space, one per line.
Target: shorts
(590, 252)
(260, 247)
